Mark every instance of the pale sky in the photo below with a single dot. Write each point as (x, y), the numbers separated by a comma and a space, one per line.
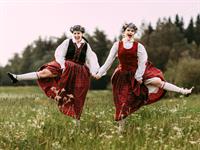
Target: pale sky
(23, 21)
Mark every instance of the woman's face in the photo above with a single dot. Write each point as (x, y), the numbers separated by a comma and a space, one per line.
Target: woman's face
(129, 33)
(78, 35)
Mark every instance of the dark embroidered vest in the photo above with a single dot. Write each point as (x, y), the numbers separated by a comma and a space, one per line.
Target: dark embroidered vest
(76, 54)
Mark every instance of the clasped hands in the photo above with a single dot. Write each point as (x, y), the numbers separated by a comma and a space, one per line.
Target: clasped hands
(97, 77)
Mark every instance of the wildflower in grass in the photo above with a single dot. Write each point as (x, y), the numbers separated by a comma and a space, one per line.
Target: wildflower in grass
(173, 110)
(56, 145)
(155, 127)
(186, 117)
(108, 136)
(156, 141)
(161, 129)
(102, 113)
(138, 128)
(179, 132)
(37, 98)
(177, 129)
(193, 142)
(102, 134)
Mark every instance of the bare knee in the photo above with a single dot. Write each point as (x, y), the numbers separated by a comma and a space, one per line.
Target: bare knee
(157, 82)
(45, 73)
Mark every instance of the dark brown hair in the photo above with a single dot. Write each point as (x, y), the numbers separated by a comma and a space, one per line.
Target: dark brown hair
(129, 25)
(77, 28)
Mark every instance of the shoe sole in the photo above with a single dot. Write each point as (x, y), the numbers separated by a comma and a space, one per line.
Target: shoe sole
(12, 78)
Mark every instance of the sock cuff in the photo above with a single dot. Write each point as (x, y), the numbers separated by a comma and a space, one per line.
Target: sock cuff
(162, 84)
(37, 75)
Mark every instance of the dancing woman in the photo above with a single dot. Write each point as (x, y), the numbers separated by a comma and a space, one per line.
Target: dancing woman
(135, 82)
(67, 78)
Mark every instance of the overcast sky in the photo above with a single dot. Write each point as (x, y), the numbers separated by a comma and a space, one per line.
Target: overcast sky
(23, 21)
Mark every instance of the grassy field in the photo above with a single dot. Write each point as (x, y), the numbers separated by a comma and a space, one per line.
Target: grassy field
(29, 120)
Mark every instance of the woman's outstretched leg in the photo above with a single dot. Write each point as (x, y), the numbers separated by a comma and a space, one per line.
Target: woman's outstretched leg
(170, 87)
(30, 76)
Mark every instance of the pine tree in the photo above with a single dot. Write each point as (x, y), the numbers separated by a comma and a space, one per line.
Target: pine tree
(190, 31)
(26, 62)
(197, 30)
(179, 23)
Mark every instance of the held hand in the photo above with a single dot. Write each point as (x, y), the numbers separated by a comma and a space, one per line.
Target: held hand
(140, 81)
(97, 77)
(63, 70)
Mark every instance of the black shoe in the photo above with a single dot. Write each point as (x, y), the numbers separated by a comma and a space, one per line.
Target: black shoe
(10, 75)
(188, 94)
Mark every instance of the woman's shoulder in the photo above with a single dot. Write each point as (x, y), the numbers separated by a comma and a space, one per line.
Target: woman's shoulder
(140, 45)
(85, 40)
(116, 43)
(66, 40)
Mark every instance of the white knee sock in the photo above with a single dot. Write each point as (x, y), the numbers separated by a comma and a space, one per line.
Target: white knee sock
(171, 87)
(27, 76)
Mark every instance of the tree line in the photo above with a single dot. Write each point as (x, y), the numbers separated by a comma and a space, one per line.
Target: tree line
(172, 47)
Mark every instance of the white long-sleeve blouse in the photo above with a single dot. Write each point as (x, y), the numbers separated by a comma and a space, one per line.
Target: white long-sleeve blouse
(141, 53)
(91, 58)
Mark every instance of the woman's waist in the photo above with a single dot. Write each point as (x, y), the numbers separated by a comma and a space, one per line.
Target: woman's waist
(127, 67)
(74, 62)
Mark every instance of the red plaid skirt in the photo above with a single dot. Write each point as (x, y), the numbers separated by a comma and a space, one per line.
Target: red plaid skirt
(69, 88)
(129, 95)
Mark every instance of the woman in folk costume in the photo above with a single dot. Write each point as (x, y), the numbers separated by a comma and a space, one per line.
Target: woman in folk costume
(67, 78)
(136, 82)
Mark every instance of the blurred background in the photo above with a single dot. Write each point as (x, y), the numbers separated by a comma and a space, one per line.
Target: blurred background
(30, 31)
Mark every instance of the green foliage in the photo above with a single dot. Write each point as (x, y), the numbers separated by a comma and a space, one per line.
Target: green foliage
(185, 73)
(13, 63)
(188, 73)
(189, 32)
(197, 31)
(179, 23)
(159, 43)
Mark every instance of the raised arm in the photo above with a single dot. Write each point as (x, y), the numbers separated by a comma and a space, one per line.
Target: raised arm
(111, 57)
(142, 59)
(60, 53)
(92, 61)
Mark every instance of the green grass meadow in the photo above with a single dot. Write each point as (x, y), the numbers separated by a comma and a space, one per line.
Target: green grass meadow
(29, 120)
